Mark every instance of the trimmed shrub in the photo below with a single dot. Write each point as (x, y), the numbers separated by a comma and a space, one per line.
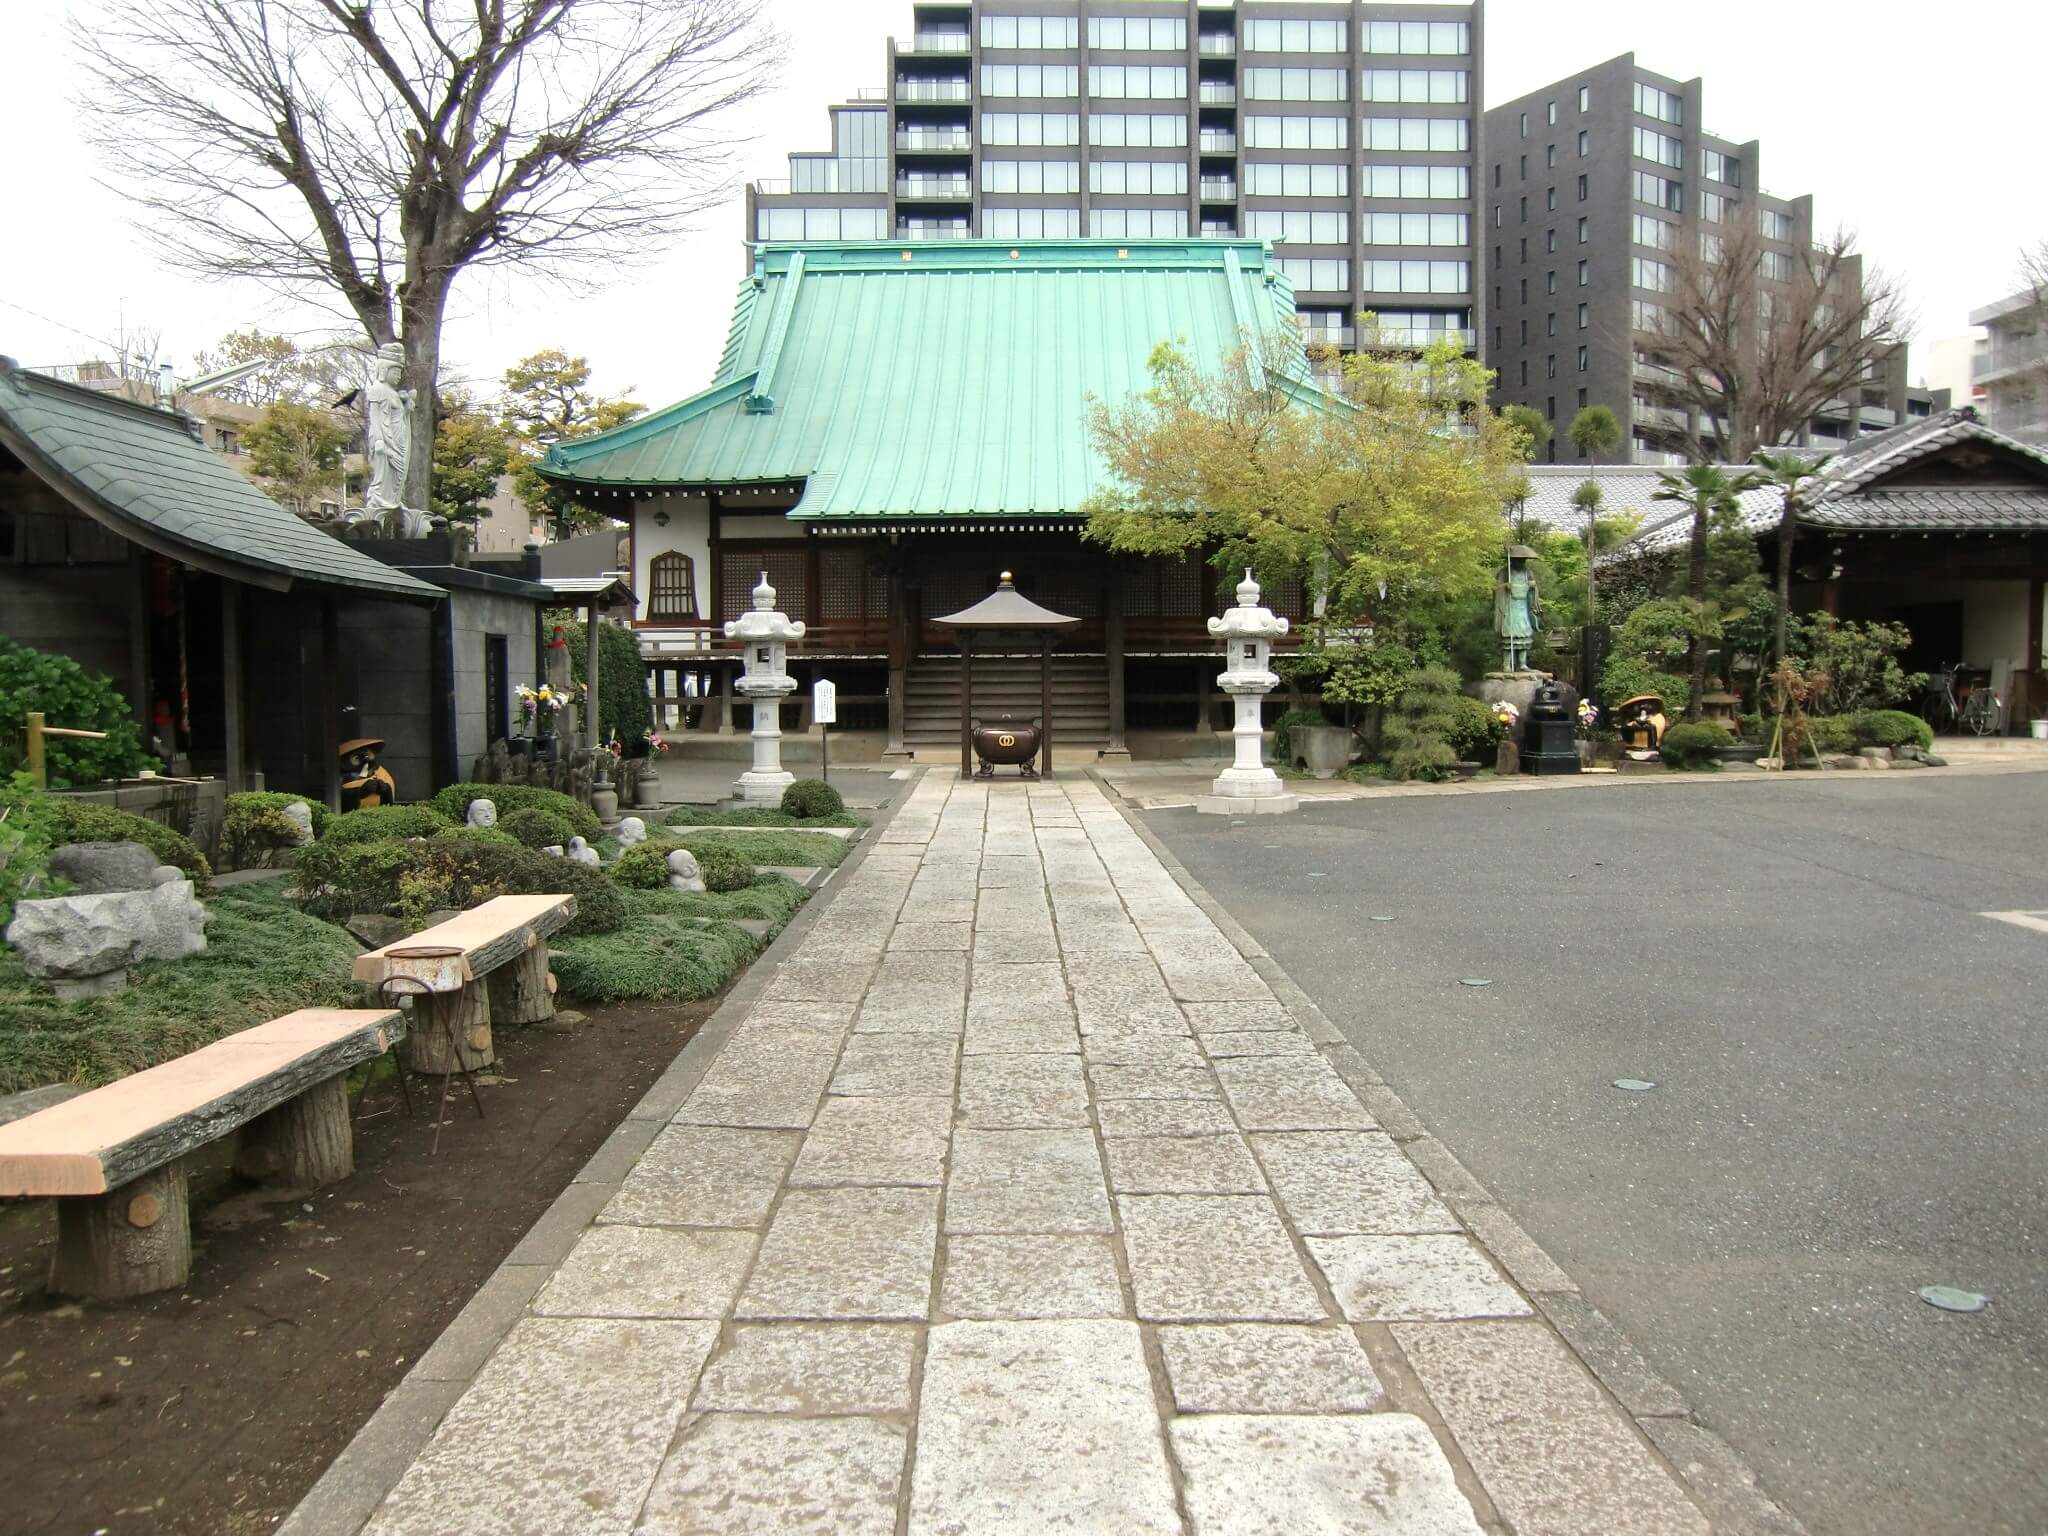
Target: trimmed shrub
(770, 899)
(1627, 676)
(535, 826)
(336, 880)
(1693, 744)
(664, 956)
(67, 695)
(81, 821)
(769, 845)
(453, 802)
(1419, 727)
(1890, 728)
(724, 867)
(809, 799)
(643, 868)
(1477, 732)
(755, 816)
(383, 823)
(256, 827)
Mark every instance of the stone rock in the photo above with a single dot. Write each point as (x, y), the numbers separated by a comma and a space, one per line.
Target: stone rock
(481, 814)
(373, 930)
(78, 939)
(1843, 760)
(1933, 760)
(96, 868)
(554, 850)
(631, 831)
(1875, 754)
(683, 873)
(581, 852)
(300, 815)
(1907, 762)
(166, 874)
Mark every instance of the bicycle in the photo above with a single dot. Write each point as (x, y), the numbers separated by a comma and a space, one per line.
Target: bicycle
(1976, 708)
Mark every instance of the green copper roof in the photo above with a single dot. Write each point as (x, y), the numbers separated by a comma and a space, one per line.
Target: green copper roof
(141, 473)
(938, 379)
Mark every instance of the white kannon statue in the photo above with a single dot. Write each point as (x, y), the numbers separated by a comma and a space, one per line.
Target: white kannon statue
(390, 408)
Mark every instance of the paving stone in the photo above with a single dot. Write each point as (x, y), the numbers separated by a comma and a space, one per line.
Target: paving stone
(1021, 1092)
(822, 980)
(918, 909)
(1026, 1181)
(846, 1253)
(1257, 1042)
(1287, 1093)
(1153, 1082)
(647, 1272)
(1379, 1474)
(811, 1368)
(1141, 1047)
(1017, 906)
(894, 1066)
(918, 972)
(1182, 1165)
(1388, 1279)
(822, 1017)
(933, 1013)
(1231, 1018)
(1018, 994)
(1031, 1277)
(1268, 1368)
(932, 936)
(1162, 1117)
(703, 1176)
(741, 1475)
(1003, 870)
(767, 1082)
(1349, 1181)
(1213, 1258)
(1052, 1035)
(1033, 1427)
(1202, 969)
(1553, 1453)
(1078, 937)
(877, 1141)
(1010, 946)
(562, 1430)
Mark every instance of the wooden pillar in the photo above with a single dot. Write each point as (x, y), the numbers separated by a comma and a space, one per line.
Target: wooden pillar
(127, 1242)
(966, 703)
(231, 682)
(140, 702)
(523, 990)
(329, 733)
(304, 1142)
(899, 660)
(1045, 708)
(1113, 647)
(450, 1032)
(595, 617)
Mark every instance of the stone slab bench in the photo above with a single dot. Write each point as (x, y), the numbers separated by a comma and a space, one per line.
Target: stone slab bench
(114, 1158)
(484, 965)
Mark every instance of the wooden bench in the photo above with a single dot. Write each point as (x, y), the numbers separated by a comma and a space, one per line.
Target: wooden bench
(487, 964)
(113, 1158)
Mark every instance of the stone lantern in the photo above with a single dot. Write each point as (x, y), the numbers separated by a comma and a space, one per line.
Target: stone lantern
(765, 631)
(1248, 632)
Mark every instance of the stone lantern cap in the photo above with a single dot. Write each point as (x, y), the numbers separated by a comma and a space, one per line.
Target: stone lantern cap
(1248, 620)
(764, 621)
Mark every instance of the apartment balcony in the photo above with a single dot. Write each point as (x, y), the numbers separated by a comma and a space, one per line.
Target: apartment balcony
(1330, 335)
(2012, 357)
(1219, 189)
(1658, 376)
(772, 186)
(935, 141)
(933, 90)
(929, 189)
(1217, 93)
(1218, 229)
(1659, 417)
(934, 232)
(935, 43)
(1216, 45)
(1879, 416)
(871, 93)
(1425, 336)
(1217, 141)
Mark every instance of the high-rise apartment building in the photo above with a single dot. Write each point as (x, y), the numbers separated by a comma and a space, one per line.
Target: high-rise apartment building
(1343, 132)
(1593, 187)
(2009, 373)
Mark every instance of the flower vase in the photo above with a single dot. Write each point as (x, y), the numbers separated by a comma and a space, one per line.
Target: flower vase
(604, 800)
(647, 789)
(544, 747)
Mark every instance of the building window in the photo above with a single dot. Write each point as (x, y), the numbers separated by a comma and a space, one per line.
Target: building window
(1496, 338)
(1046, 80)
(1585, 358)
(1053, 128)
(1525, 342)
(1585, 269)
(1777, 226)
(1662, 148)
(1713, 208)
(225, 441)
(1439, 85)
(1550, 365)
(1297, 132)
(1419, 276)
(1655, 233)
(1585, 98)
(1550, 199)
(1550, 323)
(1550, 240)
(1164, 82)
(1299, 226)
(1030, 32)
(1439, 135)
(1297, 36)
(1776, 266)
(1416, 229)
(1262, 84)
(1122, 130)
(1272, 178)
(1585, 143)
(1659, 191)
(1038, 176)
(674, 578)
(1525, 290)
(1525, 371)
(821, 223)
(1585, 316)
(1157, 34)
(1137, 223)
(1522, 170)
(1372, 120)
(1525, 125)
(1583, 186)
(1550, 154)
(1657, 276)
(1318, 274)
(1496, 215)
(1584, 233)
(1141, 178)
(1523, 258)
(1665, 106)
(1550, 407)
(1418, 181)
(999, 223)
(1438, 37)
(1525, 209)
(1550, 113)
(1726, 169)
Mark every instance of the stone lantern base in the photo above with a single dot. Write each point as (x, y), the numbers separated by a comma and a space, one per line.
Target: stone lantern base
(1247, 791)
(759, 787)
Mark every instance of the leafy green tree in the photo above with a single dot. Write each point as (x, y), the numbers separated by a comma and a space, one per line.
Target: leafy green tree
(295, 452)
(1702, 489)
(1597, 435)
(66, 695)
(1790, 474)
(548, 400)
(471, 452)
(1860, 662)
(1533, 425)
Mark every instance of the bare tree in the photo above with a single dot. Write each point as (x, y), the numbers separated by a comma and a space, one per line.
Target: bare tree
(372, 154)
(1760, 340)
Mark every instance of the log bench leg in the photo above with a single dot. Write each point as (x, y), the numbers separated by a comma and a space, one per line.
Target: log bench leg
(523, 990)
(304, 1142)
(450, 1032)
(127, 1242)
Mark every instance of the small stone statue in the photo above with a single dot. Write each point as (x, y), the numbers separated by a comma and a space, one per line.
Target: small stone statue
(1514, 609)
(481, 815)
(631, 831)
(300, 815)
(683, 873)
(581, 852)
(554, 850)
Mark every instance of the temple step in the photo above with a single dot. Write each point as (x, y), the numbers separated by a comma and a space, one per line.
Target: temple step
(1007, 685)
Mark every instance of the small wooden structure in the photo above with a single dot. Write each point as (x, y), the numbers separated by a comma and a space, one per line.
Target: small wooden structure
(114, 1157)
(1005, 609)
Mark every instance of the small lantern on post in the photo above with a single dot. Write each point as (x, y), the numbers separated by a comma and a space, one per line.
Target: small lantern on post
(765, 632)
(1247, 632)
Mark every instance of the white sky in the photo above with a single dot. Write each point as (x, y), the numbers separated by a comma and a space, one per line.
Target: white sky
(1915, 126)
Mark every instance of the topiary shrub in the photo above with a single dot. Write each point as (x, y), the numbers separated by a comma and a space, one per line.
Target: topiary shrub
(1627, 676)
(1692, 744)
(336, 880)
(1478, 730)
(536, 826)
(1419, 726)
(807, 799)
(642, 868)
(1890, 728)
(66, 695)
(724, 868)
(382, 823)
(255, 828)
(81, 821)
(453, 802)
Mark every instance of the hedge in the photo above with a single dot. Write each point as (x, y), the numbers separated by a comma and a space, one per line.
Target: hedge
(382, 823)
(1891, 728)
(661, 956)
(410, 879)
(537, 827)
(1693, 744)
(82, 821)
(453, 802)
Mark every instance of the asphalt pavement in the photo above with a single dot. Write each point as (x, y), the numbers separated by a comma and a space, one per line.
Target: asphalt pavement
(1849, 1064)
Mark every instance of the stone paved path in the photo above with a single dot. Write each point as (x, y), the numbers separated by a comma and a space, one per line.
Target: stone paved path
(1017, 1204)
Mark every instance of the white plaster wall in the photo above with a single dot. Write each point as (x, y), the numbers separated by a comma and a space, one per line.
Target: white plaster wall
(770, 525)
(688, 532)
